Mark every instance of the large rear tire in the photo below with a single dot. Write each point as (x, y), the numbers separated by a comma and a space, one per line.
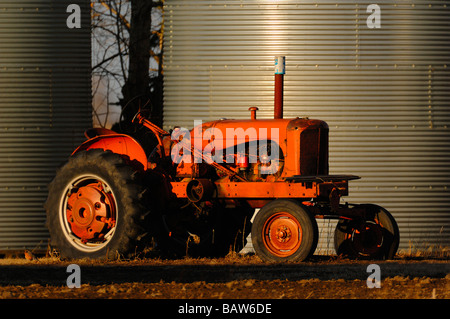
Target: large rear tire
(95, 207)
(284, 230)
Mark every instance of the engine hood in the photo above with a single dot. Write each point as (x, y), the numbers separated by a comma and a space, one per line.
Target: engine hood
(248, 130)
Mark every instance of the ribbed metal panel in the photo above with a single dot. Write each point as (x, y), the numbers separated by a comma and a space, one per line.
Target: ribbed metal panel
(45, 105)
(384, 92)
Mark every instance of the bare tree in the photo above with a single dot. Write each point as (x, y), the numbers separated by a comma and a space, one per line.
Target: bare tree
(125, 43)
(136, 90)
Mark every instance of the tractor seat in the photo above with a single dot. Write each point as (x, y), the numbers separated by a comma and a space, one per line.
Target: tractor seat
(97, 131)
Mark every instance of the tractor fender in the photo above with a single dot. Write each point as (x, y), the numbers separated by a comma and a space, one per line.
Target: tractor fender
(117, 143)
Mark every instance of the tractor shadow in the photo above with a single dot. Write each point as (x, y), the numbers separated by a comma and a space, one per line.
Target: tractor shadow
(110, 273)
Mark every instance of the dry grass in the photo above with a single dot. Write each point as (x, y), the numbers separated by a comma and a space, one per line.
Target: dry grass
(51, 257)
(425, 251)
(231, 259)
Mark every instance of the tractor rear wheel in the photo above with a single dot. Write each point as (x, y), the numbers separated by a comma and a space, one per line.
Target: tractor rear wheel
(376, 238)
(95, 207)
(284, 230)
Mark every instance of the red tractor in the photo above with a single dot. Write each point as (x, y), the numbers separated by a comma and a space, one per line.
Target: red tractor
(196, 192)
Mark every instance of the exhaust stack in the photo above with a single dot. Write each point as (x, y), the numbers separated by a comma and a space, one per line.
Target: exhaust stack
(280, 70)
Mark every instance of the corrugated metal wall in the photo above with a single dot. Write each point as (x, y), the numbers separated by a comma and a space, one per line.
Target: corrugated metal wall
(45, 105)
(383, 91)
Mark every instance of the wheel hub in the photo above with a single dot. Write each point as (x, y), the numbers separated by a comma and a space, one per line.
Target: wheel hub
(368, 239)
(282, 234)
(90, 212)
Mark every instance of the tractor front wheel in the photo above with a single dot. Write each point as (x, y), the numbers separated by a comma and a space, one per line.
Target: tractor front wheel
(284, 230)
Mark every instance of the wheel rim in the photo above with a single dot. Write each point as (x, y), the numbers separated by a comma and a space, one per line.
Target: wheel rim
(282, 234)
(88, 213)
(368, 239)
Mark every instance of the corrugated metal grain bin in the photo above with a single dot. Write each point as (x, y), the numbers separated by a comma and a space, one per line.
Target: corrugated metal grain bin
(383, 91)
(45, 105)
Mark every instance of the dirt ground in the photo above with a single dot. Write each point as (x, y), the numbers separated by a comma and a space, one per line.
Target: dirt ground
(235, 277)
